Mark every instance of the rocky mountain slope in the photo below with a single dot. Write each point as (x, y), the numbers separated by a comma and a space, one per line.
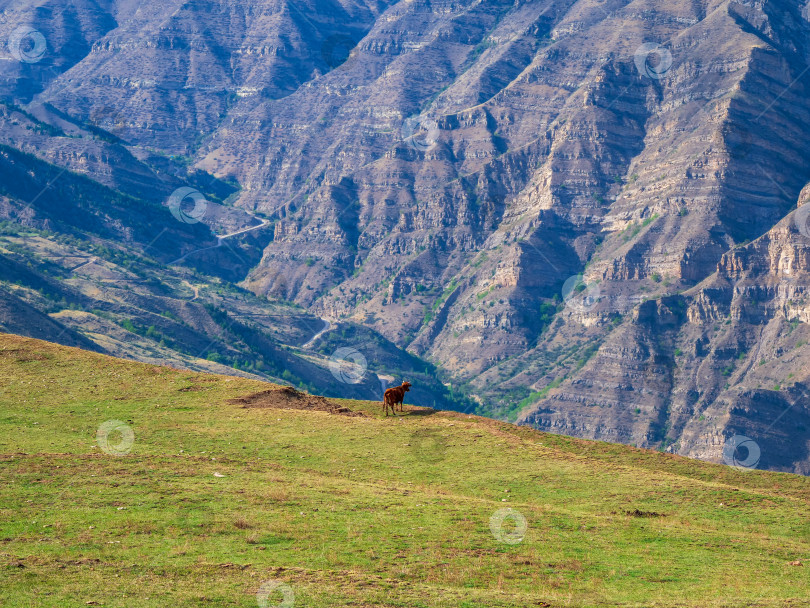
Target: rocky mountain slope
(570, 208)
(118, 274)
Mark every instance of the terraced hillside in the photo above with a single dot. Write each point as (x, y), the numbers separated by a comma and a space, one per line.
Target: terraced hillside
(123, 484)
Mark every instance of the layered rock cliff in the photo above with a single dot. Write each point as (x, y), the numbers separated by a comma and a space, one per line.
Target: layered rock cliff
(580, 211)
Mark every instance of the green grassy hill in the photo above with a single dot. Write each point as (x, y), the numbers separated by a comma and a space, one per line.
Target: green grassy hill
(201, 501)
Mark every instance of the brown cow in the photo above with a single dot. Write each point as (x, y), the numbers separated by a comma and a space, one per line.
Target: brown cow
(395, 395)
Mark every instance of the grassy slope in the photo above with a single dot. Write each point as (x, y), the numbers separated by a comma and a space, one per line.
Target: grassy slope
(356, 511)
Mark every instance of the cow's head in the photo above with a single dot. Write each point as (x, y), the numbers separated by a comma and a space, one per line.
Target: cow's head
(406, 385)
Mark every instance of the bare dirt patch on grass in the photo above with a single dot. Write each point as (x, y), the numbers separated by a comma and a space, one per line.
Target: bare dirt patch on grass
(288, 398)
